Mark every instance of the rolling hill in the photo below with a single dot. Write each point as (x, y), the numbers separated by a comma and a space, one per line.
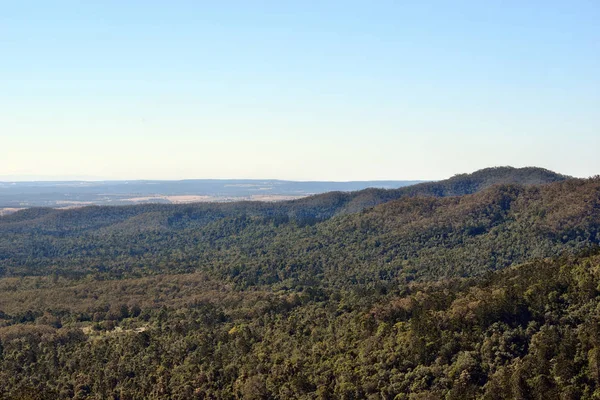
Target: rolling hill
(424, 231)
(482, 286)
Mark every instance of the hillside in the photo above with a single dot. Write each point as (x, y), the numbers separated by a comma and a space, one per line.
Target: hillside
(458, 185)
(483, 286)
(304, 211)
(409, 238)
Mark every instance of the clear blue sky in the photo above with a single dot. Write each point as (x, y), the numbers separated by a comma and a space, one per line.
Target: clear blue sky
(297, 89)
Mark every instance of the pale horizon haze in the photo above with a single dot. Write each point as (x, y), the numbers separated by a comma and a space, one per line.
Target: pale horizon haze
(333, 90)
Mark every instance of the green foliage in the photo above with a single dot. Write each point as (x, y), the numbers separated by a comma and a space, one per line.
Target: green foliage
(417, 298)
(524, 332)
(401, 240)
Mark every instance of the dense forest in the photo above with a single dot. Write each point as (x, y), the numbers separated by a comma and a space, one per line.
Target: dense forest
(482, 286)
(527, 332)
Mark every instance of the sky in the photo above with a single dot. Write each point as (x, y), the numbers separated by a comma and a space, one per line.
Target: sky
(299, 90)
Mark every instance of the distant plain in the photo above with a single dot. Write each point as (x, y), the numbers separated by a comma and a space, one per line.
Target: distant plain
(70, 194)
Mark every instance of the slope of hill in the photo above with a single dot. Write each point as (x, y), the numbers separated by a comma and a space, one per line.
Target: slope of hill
(404, 239)
(419, 297)
(305, 211)
(458, 185)
(423, 238)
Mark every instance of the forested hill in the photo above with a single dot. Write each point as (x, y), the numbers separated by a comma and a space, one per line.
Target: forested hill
(458, 185)
(436, 293)
(303, 211)
(401, 240)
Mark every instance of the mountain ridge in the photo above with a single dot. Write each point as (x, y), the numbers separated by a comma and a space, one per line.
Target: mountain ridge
(414, 236)
(323, 206)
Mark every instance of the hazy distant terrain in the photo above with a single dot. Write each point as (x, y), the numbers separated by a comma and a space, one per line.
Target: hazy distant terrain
(14, 195)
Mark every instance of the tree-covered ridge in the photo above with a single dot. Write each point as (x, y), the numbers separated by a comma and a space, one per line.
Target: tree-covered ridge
(405, 239)
(306, 210)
